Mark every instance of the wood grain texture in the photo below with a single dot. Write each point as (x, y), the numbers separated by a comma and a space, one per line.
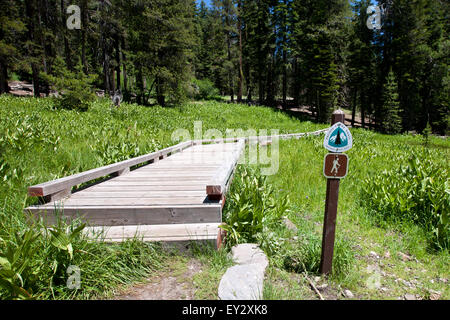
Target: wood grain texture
(168, 232)
(216, 187)
(129, 215)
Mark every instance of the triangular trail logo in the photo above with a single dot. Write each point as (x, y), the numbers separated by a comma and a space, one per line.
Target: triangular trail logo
(338, 138)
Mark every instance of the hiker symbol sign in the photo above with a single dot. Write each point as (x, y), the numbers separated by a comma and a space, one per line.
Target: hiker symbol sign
(335, 165)
(338, 138)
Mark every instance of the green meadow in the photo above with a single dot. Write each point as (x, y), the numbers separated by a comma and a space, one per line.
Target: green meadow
(392, 228)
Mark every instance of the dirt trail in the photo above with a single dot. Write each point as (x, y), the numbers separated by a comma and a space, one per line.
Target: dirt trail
(174, 283)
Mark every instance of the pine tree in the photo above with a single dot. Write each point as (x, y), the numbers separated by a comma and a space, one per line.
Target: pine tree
(391, 122)
(426, 134)
(362, 64)
(11, 26)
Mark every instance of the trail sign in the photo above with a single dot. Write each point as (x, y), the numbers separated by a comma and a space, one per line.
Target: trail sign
(335, 165)
(338, 138)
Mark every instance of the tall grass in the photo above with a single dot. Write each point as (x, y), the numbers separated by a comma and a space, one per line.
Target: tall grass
(304, 256)
(35, 261)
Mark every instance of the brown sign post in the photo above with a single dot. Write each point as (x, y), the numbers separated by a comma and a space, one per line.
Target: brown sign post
(329, 224)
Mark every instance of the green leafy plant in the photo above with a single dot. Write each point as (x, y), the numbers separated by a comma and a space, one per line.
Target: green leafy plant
(204, 89)
(252, 208)
(63, 239)
(18, 274)
(416, 192)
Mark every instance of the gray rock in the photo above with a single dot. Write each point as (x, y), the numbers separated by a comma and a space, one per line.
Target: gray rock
(348, 294)
(404, 257)
(242, 282)
(407, 283)
(249, 253)
(409, 296)
(322, 287)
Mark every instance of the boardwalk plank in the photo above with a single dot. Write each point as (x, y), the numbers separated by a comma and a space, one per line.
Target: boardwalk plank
(131, 215)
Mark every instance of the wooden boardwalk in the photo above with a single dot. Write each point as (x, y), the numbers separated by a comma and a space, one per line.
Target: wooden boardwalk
(172, 194)
(179, 195)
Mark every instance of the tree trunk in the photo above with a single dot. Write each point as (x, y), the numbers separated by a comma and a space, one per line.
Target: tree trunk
(105, 53)
(230, 75)
(112, 81)
(106, 72)
(249, 94)
(30, 11)
(36, 89)
(317, 106)
(363, 115)
(355, 94)
(159, 93)
(66, 42)
(41, 38)
(140, 85)
(118, 62)
(241, 73)
(260, 88)
(270, 98)
(3, 78)
(296, 87)
(284, 79)
(284, 89)
(124, 68)
(84, 26)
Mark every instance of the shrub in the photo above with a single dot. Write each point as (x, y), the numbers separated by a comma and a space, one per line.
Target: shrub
(204, 89)
(74, 88)
(417, 191)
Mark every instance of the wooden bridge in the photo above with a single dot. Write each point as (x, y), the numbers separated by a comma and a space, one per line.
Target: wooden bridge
(173, 194)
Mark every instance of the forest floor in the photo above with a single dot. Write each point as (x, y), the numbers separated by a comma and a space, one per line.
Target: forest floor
(348, 115)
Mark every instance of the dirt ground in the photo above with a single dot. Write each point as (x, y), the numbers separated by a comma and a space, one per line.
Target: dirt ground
(175, 283)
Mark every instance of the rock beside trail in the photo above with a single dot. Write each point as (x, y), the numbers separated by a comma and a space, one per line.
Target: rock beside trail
(244, 281)
(249, 253)
(348, 294)
(409, 296)
(404, 257)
